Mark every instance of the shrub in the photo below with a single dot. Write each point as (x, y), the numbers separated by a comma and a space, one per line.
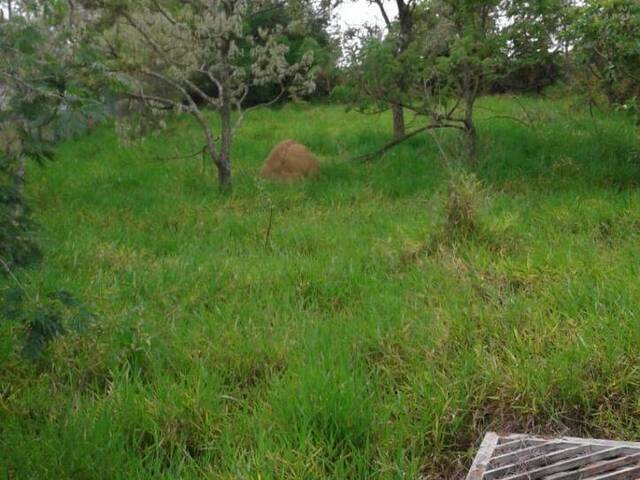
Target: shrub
(465, 198)
(18, 247)
(43, 319)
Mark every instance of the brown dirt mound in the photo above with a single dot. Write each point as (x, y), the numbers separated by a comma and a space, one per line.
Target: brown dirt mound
(290, 161)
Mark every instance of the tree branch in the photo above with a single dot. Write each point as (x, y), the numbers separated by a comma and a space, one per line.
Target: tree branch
(256, 107)
(383, 11)
(380, 152)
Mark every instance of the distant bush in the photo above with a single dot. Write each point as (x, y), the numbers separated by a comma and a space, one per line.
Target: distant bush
(605, 34)
(530, 76)
(340, 94)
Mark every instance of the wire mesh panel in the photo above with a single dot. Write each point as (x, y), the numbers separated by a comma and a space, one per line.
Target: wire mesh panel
(523, 457)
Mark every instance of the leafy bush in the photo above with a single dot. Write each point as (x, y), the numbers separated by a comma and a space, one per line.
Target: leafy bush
(18, 246)
(43, 319)
(606, 39)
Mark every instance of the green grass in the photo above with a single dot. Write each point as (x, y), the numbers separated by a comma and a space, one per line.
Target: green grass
(339, 348)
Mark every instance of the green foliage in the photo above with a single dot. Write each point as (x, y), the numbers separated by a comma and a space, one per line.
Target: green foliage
(43, 97)
(50, 90)
(43, 319)
(373, 74)
(320, 352)
(465, 219)
(306, 29)
(18, 246)
(607, 44)
(446, 60)
(531, 48)
(186, 57)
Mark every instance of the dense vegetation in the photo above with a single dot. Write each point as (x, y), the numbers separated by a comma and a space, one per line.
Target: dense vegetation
(365, 336)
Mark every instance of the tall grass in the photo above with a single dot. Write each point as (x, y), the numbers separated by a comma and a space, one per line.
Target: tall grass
(322, 352)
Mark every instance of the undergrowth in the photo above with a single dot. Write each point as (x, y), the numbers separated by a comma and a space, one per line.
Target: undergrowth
(282, 330)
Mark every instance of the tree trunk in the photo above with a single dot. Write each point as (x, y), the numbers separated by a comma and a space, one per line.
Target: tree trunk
(226, 133)
(224, 170)
(470, 134)
(222, 167)
(398, 121)
(471, 144)
(220, 160)
(405, 20)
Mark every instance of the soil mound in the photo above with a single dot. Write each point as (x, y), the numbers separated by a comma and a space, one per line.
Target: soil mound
(290, 160)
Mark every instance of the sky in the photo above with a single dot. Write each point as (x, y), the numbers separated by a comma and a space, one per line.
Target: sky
(353, 14)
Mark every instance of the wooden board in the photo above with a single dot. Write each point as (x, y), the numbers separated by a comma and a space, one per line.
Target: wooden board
(525, 457)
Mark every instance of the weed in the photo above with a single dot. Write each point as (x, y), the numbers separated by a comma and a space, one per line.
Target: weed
(465, 198)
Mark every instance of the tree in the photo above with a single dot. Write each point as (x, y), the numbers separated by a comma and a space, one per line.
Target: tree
(158, 48)
(402, 32)
(6, 8)
(309, 25)
(396, 42)
(472, 59)
(43, 96)
(452, 56)
(605, 37)
(532, 46)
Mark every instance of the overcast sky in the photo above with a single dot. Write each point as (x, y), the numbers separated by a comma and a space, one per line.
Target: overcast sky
(351, 14)
(356, 13)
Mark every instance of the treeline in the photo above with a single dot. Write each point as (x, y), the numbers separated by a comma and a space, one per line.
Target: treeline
(69, 63)
(436, 57)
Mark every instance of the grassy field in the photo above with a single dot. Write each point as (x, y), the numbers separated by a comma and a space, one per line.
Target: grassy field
(360, 339)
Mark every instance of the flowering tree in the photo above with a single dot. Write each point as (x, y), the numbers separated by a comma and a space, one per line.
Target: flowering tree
(196, 54)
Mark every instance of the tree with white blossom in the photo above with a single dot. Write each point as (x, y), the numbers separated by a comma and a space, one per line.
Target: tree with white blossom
(192, 55)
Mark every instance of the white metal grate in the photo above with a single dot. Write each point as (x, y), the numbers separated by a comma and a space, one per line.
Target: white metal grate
(523, 457)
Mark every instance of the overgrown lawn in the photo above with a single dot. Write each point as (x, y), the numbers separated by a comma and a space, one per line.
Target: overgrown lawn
(338, 345)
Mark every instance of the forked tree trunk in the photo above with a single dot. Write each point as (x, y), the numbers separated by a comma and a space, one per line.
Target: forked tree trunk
(221, 159)
(398, 121)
